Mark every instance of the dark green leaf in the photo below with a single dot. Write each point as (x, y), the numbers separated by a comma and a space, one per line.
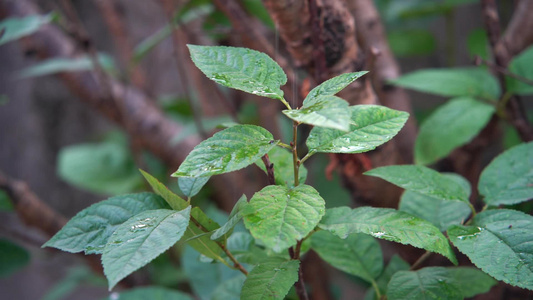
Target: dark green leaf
(90, 229)
(358, 254)
(331, 87)
(283, 168)
(229, 289)
(5, 202)
(228, 150)
(326, 111)
(387, 224)
(412, 42)
(472, 82)
(271, 279)
(471, 281)
(240, 68)
(450, 126)
(520, 66)
(58, 65)
(199, 238)
(395, 264)
(150, 292)
(141, 239)
(477, 43)
(422, 180)
(428, 283)
(508, 179)
(15, 28)
(175, 201)
(279, 216)
(234, 217)
(12, 258)
(370, 126)
(106, 167)
(190, 186)
(500, 242)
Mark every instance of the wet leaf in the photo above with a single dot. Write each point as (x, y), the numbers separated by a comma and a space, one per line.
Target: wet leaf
(326, 111)
(331, 87)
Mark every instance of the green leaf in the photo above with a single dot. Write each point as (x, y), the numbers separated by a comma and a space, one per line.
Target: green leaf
(388, 224)
(228, 150)
(141, 239)
(428, 283)
(150, 292)
(5, 202)
(90, 229)
(331, 87)
(472, 82)
(240, 68)
(15, 28)
(326, 111)
(271, 279)
(477, 43)
(471, 281)
(106, 168)
(58, 65)
(283, 168)
(440, 213)
(234, 217)
(199, 239)
(190, 186)
(508, 179)
(450, 126)
(12, 258)
(359, 254)
(279, 216)
(411, 42)
(229, 289)
(422, 180)
(395, 264)
(370, 126)
(500, 242)
(520, 66)
(175, 201)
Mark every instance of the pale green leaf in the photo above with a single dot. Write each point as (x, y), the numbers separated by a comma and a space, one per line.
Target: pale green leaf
(428, 283)
(450, 126)
(411, 42)
(370, 126)
(59, 64)
(440, 213)
(270, 280)
(521, 66)
(175, 201)
(422, 180)
(499, 242)
(388, 224)
(15, 28)
(358, 254)
(149, 292)
(326, 111)
(91, 228)
(190, 186)
(106, 168)
(283, 167)
(229, 289)
(199, 238)
(141, 239)
(472, 82)
(279, 216)
(331, 87)
(228, 150)
(234, 217)
(508, 179)
(240, 68)
(12, 257)
(395, 264)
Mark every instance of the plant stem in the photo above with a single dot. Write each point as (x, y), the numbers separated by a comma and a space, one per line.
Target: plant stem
(285, 103)
(284, 145)
(295, 160)
(376, 289)
(420, 260)
(306, 157)
(300, 284)
(472, 209)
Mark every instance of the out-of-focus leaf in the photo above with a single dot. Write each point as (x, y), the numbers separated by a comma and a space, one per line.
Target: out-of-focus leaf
(149, 292)
(520, 65)
(190, 186)
(15, 28)
(477, 43)
(59, 64)
(5, 202)
(413, 42)
(12, 258)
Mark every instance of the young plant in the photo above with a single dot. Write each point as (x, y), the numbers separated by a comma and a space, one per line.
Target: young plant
(288, 217)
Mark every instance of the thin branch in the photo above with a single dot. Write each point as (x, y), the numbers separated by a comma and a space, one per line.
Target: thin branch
(479, 60)
(420, 260)
(300, 284)
(270, 169)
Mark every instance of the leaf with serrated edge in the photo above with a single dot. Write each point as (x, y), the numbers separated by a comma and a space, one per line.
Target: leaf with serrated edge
(141, 239)
(428, 283)
(190, 186)
(395, 264)
(422, 180)
(508, 179)
(283, 167)
(326, 111)
(240, 68)
(279, 216)
(271, 279)
(234, 218)
(451, 125)
(228, 150)
(359, 254)
(388, 224)
(90, 229)
(200, 239)
(331, 86)
(175, 201)
(500, 242)
(370, 126)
